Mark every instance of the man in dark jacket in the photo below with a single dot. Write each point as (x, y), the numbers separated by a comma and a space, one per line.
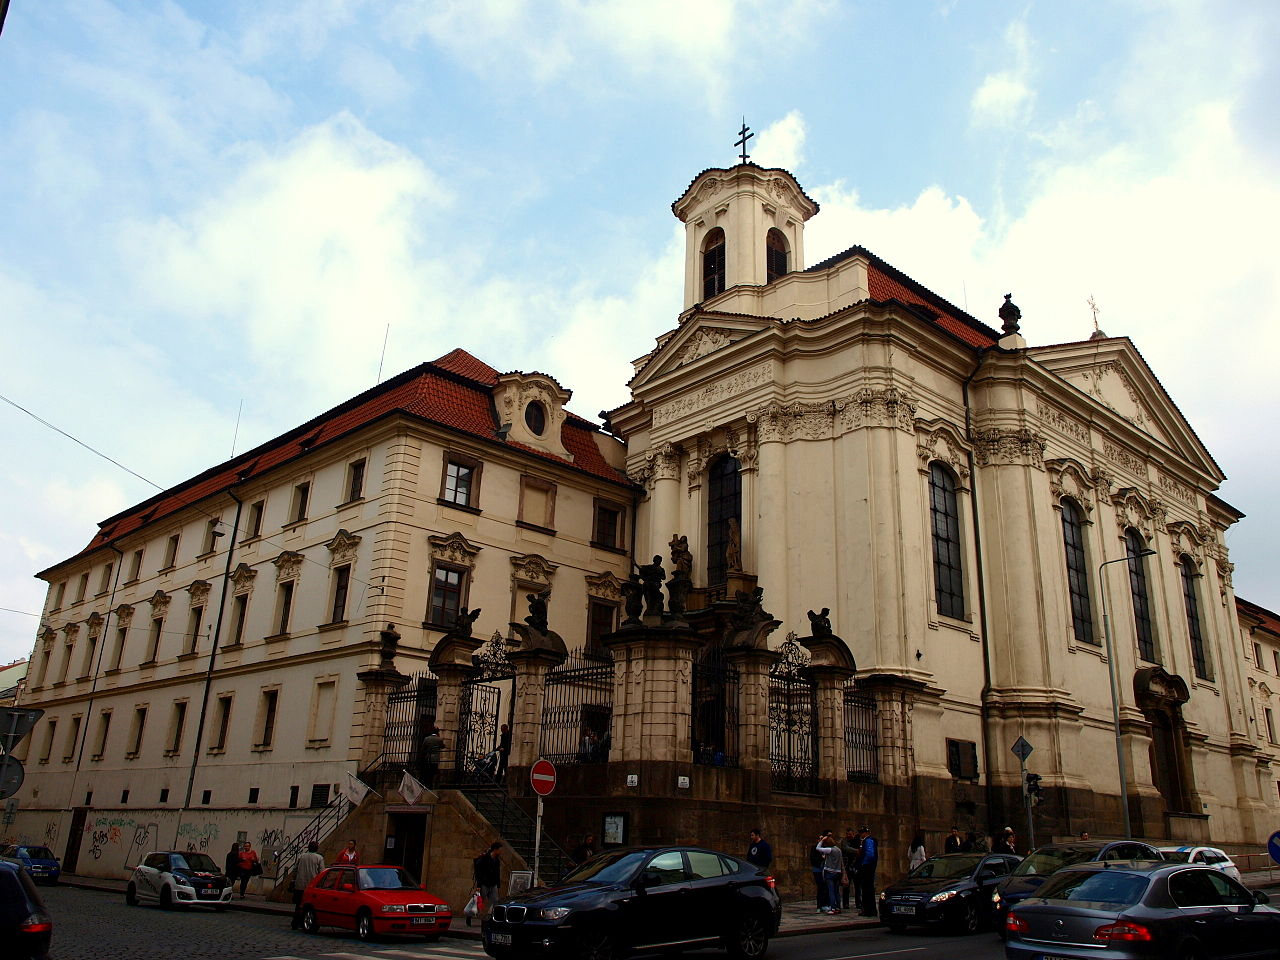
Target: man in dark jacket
(760, 853)
(865, 873)
(851, 849)
(488, 873)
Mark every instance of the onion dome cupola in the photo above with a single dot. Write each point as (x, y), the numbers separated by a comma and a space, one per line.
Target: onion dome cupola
(743, 225)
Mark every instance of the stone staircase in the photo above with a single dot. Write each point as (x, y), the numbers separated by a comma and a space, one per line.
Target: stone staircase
(516, 827)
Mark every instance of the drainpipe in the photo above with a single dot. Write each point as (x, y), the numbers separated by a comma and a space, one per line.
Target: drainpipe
(213, 656)
(988, 747)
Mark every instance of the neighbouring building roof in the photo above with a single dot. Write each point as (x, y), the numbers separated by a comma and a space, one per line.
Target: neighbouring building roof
(455, 392)
(1268, 621)
(10, 675)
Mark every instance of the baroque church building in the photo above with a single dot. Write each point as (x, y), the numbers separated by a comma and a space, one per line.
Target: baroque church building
(845, 546)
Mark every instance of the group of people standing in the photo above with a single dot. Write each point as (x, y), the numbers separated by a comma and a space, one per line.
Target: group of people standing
(845, 871)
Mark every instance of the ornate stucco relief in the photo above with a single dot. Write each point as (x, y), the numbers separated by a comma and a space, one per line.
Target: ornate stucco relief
(455, 549)
(199, 592)
(534, 569)
(288, 565)
(714, 393)
(1068, 478)
(1017, 446)
(940, 441)
(1176, 488)
(704, 341)
(242, 579)
(876, 408)
(159, 603)
(94, 623)
(343, 547)
(124, 615)
(604, 586)
(1062, 423)
(1144, 514)
(1124, 458)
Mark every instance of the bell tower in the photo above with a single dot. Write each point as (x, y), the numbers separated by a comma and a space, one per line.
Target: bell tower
(743, 225)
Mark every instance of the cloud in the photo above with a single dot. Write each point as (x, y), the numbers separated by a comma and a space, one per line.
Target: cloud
(781, 144)
(1005, 98)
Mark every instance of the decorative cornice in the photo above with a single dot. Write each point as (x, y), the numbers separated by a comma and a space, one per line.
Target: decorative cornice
(1123, 458)
(343, 547)
(288, 565)
(199, 591)
(1063, 423)
(941, 441)
(159, 603)
(876, 408)
(604, 586)
(1003, 446)
(242, 578)
(455, 549)
(1069, 478)
(94, 623)
(124, 614)
(705, 340)
(531, 568)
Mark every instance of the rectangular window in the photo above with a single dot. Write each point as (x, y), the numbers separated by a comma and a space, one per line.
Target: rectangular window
(104, 727)
(537, 504)
(944, 516)
(194, 622)
(164, 795)
(73, 735)
(1199, 654)
(319, 794)
(460, 484)
(210, 537)
(59, 594)
(90, 648)
(293, 797)
(322, 703)
(105, 583)
(117, 653)
(355, 480)
(206, 797)
(341, 584)
(1257, 656)
(607, 531)
(135, 735)
(253, 528)
(284, 606)
(267, 719)
(1276, 654)
(253, 794)
(170, 553)
(50, 731)
(135, 566)
(301, 494)
(177, 725)
(68, 651)
(221, 723)
(1271, 724)
(962, 759)
(124, 797)
(83, 587)
(153, 640)
(447, 584)
(239, 610)
(601, 619)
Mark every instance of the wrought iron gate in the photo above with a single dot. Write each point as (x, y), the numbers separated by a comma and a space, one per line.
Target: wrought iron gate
(478, 713)
(861, 735)
(410, 710)
(714, 733)
(793, 721)
(577, 714)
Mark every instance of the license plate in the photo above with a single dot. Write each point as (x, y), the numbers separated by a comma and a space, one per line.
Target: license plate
(1052, 956)
(422, 921)
(910, 911)
(500, 939)
(208, 893)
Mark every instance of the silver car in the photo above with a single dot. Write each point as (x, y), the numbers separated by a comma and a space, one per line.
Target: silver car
(178, 878)
(1208, 856)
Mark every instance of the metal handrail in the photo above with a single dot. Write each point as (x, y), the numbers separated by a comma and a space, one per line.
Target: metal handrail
(331, 815)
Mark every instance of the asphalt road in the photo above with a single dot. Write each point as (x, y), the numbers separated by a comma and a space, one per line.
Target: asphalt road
(92, 925)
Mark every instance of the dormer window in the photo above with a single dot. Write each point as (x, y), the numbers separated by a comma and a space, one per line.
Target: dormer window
(775, 255)
(713, 264)
(535, 417)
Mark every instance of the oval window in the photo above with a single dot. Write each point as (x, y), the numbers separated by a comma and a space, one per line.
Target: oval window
(535, 417)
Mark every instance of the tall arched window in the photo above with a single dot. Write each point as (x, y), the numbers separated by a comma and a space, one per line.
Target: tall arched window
(724, 504)
(948, 572)
(1199, 656)
(713, 264)
(775, 255)
(1077, 572)
(1134, 545)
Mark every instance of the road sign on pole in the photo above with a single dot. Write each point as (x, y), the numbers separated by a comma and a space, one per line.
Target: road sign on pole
(11, 776)
(1273, 846)
(542, 776)
(1021, 749)
(16, 723)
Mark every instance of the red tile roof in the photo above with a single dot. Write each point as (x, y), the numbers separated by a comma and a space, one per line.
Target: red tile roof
(454, 391)
(1266, 619)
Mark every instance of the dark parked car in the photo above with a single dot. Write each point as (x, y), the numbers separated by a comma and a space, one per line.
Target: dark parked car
(1128, 910)
(36, 858)
(24, 923)
(954, 889)
(1044, 861)
(641, 900)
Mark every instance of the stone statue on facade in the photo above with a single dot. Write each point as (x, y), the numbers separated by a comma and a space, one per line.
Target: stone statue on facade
(389, 642)
(681, 558)
(749, 609)
(537, 618)
(632, 598)
(464, 623)
(651, 577)
(733, 549)
(820, 623)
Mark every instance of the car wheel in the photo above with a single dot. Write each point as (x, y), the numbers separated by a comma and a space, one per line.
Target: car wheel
(751, 939)
(131, 895)
(967, 917)
(594, 945)
(364, 925)
(166, 899)
(309, 922)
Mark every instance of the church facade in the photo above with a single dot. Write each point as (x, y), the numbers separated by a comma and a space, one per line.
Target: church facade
(967, 543)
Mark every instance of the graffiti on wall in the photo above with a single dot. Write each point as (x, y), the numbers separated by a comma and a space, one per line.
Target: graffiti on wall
(197, 836)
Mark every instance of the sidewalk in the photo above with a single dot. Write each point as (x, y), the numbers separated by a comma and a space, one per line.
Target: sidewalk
(799, 917)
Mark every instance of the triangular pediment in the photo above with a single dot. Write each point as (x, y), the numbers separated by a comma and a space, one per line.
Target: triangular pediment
(696, 343)
(1112, 374)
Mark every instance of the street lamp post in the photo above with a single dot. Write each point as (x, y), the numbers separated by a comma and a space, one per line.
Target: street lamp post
(1115, 696)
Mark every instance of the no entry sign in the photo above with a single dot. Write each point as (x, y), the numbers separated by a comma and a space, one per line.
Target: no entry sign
(543, 777)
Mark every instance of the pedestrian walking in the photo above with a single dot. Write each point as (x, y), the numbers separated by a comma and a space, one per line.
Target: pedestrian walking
(231, 866)
(759, 853)
(816, 860)
(487, 870)
(954, 842)
(349, 854)
(915, 853)
(1008, 842)
(851, 849)
(309, 865)
(865, 874)
(431, 749)
(249, 865)
(504, 750)
(832, 869)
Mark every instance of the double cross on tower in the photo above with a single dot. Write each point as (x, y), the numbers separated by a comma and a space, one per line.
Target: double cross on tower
(745, 136)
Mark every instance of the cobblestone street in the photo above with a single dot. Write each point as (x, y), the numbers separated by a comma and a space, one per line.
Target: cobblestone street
(94, 925)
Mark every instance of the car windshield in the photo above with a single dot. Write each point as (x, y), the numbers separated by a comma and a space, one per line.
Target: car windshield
(1109, 887)
(195, 862)
(1177, 856)
(386, 878)
(615, 867)
(940, 868)
(1049, 860)
(37, 853)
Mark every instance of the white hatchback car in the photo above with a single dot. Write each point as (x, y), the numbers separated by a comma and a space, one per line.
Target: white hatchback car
(176, 877)
(1209, 856)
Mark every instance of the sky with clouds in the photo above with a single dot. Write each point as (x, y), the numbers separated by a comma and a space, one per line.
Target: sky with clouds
(210, 204)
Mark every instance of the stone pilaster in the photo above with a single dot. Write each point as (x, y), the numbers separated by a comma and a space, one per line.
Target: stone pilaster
(451, 662)
(378, 684)
(753, 667)
(653, 693)
(537, 654)
(831, 664)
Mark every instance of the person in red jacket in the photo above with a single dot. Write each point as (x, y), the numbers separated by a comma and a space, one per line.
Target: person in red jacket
(249, 867)
(350, 854)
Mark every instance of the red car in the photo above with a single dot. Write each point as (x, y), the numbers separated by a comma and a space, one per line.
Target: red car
(373, 900)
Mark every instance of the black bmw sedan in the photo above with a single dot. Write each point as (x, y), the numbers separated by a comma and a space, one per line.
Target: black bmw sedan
(1134, 910)
(953, 889)
(641, 900)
